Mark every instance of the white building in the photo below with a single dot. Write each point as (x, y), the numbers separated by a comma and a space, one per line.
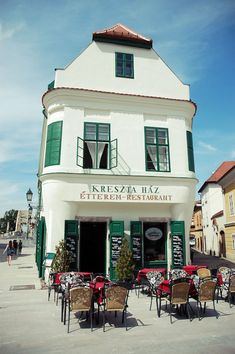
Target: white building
(213, 219)
(117, 156)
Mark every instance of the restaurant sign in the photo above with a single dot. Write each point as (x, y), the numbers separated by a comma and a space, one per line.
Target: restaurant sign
(125, 193)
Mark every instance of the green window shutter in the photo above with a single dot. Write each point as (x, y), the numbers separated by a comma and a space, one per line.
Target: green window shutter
(190, 151)
(178, 244)
(40, 246)
(116, 229)
(136, 228)
(53, 145)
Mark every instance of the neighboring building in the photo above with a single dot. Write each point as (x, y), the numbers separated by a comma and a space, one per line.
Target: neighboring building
(212, 211)
(196, 235)
(227, 182)
(21, 220)
(117, 157)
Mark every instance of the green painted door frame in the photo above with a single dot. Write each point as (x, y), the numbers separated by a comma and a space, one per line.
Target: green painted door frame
(40, 246)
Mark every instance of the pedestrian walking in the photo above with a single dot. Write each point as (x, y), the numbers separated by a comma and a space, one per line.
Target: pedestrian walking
(15, 246)
(20, 246)
(10, 252)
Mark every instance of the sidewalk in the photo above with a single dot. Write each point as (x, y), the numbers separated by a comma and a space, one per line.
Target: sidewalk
(31, 325)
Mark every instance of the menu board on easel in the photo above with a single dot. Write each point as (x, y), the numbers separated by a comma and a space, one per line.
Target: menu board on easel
(71, 246)
(177, 250)
(116, 242)
(136, 249)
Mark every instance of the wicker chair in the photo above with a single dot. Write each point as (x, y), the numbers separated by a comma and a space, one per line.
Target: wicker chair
(225, 273)
(80, 300)
(179, 296)
(154, 278)
(206, 293)
(204, 274)
(176, 274)
(115, 301)
(231, 289)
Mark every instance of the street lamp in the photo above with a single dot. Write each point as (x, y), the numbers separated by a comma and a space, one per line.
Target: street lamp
(29, 197)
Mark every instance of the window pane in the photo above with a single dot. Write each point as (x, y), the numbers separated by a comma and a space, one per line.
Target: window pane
(163, 158)
(90, 131)
(151, 136)
(162, 136)
(103, 132)
(151, 157)
(128, 71)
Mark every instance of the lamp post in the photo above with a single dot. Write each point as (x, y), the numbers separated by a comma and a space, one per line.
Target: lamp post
(29, 197)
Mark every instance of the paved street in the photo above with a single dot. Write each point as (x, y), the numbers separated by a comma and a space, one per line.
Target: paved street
(31, 325)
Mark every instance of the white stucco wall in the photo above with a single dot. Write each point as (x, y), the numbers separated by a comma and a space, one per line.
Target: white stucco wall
(94, 69)
(212, 203)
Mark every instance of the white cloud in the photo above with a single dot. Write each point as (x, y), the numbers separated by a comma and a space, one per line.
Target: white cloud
(207, 147)
(7, 32)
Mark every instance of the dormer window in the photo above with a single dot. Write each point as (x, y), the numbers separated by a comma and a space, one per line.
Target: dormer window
(125, 65)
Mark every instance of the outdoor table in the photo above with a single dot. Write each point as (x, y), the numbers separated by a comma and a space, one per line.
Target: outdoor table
(164, 289)
(192, 268)
(144, 271)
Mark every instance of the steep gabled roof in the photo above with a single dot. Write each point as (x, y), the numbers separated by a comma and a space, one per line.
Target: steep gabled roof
(221, 171)
(120, 34)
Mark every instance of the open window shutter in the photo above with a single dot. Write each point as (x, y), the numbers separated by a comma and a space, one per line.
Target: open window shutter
(113, 154)
(136, 242)
(116, 234)
(71, 240)
(178, 244)
(190, 151)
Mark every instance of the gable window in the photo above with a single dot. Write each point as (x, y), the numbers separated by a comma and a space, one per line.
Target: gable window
(157, 149)
(124, 65)
(53, 144)
(231, 204)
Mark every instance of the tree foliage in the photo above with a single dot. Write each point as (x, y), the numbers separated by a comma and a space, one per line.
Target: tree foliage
(8, 221)
(125, 263)
(62, 259)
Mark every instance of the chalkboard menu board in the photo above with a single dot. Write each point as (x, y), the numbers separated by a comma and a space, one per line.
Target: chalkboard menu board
(136, 249)
(115, 249)
(177, 250)
(71, 246)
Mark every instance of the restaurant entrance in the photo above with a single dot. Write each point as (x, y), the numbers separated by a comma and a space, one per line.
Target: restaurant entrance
(92, 246)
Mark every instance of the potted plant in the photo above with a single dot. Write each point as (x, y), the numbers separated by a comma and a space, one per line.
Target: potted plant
(62, 259)
(125, 264)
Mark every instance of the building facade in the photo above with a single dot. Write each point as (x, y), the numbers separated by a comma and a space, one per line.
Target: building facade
(117, 157)
(227, 182)
(196, 234)
(212, 199)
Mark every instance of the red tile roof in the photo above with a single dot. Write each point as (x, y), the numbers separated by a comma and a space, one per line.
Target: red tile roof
(224, 168)
(120, 33)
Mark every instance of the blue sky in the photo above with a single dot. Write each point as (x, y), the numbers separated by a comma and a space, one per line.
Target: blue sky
(195, 38)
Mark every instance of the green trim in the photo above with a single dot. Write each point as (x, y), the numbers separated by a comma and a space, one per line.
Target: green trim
(178, 232)
(136, 234)
(116, 230)
(53, 144)
(157, 146)
(51, 85)
(122, 60)
(126, 42)
(71, 240)
(189, 138)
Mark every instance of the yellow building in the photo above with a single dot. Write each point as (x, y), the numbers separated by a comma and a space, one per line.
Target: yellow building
(227, 182)
(196, 235)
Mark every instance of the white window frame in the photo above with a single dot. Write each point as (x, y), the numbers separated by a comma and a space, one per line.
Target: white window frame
(233, 241)
(231, 204)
